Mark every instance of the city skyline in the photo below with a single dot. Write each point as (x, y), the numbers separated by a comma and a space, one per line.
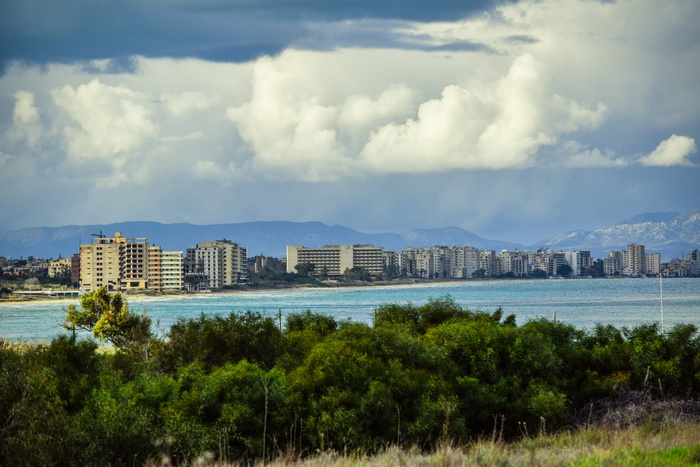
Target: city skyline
(512, 120)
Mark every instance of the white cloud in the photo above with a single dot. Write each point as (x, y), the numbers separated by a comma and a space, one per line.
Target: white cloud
(676, 150)
(185, 102)
(286, 124)
(594, 158)
(102, 121)
(5, 159)
(294, 133)
(187, 137)
(557, 84)
(26, 124)
(502, 126)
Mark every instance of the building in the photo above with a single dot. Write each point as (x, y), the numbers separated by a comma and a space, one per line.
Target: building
(653, 263)
(172, 270)
(465, 261)
(60, 268)
(488, 262)
(333, 260)
(75, 268)
(635, 260)
(165, 270)
(219, 263)
(118, 264)
(514, 262)
(612, 265)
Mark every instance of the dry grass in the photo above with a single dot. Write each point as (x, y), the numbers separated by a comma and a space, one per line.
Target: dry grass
(652, 443)
(634, 430)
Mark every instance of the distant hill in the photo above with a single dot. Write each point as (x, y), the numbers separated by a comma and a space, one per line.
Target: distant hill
(668, 233)
(261, 238)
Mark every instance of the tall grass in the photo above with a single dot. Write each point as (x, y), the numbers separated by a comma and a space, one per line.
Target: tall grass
(648, 444)
(654, 433)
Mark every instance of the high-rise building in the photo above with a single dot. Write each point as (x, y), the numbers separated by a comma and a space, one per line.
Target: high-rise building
(220, 263)
(118, 264)
(465, 260)
(653, 263)
(613, 264)
(635, 260)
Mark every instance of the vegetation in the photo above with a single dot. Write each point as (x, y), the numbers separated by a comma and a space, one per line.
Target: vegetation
(421, 381)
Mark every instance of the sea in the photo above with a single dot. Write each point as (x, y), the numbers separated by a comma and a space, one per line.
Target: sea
(621, 302)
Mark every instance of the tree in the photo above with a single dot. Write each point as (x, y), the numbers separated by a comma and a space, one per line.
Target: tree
(564, 270)
(193, 280)
(107, 317)
(357, 273)
(479, 274)
(305, 269)
(539, 273)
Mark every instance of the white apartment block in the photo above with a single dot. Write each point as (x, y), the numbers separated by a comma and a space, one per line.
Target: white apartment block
(465, 261)
(333, 260)
(575, 259)
(635, 260)
(222, 262)
(653, 263)
(514, 262)
(613, 264)
(165, 269)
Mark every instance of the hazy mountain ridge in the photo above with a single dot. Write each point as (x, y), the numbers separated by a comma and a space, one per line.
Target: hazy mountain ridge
(261, 238)
(671, 234)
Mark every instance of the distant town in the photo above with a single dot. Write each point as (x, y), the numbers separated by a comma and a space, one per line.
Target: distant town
(123, 264)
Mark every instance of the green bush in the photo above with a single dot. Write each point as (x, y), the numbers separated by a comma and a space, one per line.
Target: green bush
(237, 389)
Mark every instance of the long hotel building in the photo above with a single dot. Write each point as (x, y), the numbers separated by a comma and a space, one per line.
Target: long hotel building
(333, 260)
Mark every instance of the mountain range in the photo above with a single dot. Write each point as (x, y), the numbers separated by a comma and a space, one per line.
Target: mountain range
(670, 234)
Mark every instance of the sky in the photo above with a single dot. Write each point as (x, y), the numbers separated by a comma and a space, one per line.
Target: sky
(514, 120)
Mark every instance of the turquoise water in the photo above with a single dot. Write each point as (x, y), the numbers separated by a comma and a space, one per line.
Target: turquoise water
(580, 302)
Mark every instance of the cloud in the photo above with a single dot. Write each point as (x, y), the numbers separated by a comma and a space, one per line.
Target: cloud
(398, 119)
(26, 124)
(5, 159)
(294, 133)
(594, 158)
(40, 31)
(674, 151)
(185, 102)
(102, 121)
(502, 126)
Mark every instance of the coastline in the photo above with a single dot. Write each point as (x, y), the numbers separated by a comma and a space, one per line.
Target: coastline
(42, 299)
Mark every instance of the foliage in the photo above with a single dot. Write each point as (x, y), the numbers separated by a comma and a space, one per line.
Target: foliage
(107, 317)
(305, 269)
(564, 270)
(213, 341)
(239, 389)
(357, 273)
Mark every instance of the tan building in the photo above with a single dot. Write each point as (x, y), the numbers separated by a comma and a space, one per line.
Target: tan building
(118, 264)
(333, 260)
(60, 268)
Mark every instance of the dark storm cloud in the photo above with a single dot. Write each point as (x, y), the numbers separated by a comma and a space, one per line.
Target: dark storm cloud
(43, 31)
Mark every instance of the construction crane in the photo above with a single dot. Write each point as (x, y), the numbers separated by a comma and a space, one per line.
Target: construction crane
(99, 235)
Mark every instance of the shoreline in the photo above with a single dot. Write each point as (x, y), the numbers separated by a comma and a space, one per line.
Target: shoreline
(29, 299)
